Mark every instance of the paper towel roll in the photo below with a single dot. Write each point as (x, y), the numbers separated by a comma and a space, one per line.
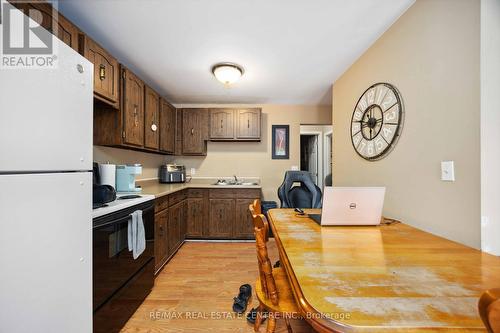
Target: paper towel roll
(108, 174)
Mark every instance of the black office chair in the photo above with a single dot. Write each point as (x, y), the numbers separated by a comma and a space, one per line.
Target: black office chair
(328, 180)
(307, 195)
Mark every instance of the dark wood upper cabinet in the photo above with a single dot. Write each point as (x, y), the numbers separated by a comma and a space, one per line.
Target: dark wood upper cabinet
(178, 132)
(106, 70)
(221, 124)
(167, 127)
(133, 108)
(151, 119)
(44, 14)
(194, 131)
(221, 218)
(235, 125)
(248, 124)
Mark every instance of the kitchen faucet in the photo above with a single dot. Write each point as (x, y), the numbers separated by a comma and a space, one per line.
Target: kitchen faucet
(235, 178)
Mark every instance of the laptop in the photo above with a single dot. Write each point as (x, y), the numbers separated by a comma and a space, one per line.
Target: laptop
(351, 206)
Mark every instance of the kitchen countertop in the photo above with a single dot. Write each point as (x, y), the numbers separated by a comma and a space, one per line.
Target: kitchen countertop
(157, 189)
(117, 205)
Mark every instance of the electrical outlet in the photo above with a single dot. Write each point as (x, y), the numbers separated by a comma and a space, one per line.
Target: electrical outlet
(193, 171)
(295, 168)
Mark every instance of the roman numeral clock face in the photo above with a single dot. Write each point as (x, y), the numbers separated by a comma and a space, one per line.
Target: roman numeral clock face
(377, 121)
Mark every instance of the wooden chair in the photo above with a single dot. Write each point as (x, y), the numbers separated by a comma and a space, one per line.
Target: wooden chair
(272, 287)
(489, 309)
(256, 209)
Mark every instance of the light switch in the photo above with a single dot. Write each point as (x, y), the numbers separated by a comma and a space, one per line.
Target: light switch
(447, 171)
(193, 171)
(295, 168)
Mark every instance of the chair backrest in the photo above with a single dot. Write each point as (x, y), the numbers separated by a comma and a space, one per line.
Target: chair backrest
(489, 309)
(308, 195)
(265, 269)
(255, 208)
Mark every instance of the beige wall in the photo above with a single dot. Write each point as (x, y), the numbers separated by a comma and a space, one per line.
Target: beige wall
(245, 159)
(253, 159)
(150, 162)
(431, 54)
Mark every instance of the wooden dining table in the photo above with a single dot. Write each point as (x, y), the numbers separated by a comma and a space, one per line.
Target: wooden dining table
(386, 278)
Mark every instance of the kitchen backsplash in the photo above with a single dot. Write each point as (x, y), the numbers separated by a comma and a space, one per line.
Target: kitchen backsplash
(150, 162)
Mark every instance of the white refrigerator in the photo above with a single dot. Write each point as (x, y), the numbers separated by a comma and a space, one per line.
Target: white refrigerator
(46, 196)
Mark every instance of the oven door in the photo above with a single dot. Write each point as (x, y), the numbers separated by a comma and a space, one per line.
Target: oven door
(113, 263)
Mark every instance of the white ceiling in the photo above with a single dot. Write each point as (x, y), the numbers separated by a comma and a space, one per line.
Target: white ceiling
(292, 50)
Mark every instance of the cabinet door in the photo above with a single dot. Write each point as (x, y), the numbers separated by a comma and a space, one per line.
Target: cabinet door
(183, 220)
(151, 119)
(174, 223)
(51, 20)
(194, 131)
(105, 70)
(248, 123)
(167, 127)
(161, 240)
(133, 109)
(178, 132)
(243, 223)
(221, 124)
(195, 215)
(221, 218)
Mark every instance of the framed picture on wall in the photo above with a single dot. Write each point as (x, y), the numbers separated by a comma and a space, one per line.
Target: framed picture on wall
(280, 142)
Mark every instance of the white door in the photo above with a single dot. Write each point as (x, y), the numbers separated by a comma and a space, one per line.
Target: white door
(46, 253)
(46, 115)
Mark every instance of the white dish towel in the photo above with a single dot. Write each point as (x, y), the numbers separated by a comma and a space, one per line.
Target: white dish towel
(136, 234)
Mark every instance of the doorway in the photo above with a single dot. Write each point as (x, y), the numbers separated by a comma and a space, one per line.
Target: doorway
(309, 155)
(316, 153)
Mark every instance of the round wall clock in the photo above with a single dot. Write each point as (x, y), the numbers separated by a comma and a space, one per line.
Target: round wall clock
(377, 121)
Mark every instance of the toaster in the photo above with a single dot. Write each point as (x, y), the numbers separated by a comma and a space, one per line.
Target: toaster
(172, 173)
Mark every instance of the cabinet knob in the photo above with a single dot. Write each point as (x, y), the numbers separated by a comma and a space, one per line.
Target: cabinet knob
(102, 72)
(192, 131)
(221, 124)
(154, 127)
(248, 123)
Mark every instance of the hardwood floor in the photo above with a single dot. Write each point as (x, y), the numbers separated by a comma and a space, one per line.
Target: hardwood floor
(194, 292)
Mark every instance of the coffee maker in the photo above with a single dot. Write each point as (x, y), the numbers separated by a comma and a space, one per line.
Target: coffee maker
(125, 177)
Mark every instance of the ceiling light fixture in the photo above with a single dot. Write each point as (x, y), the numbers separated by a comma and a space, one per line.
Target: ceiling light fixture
(227, 72)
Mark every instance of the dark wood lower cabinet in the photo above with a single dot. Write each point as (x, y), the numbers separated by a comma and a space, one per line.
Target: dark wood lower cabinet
(244, 227)
(221, 218)
(184, 220)
(161, 239)
(229, 216)
(174, 227)
(198, 213)
(170, 226)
